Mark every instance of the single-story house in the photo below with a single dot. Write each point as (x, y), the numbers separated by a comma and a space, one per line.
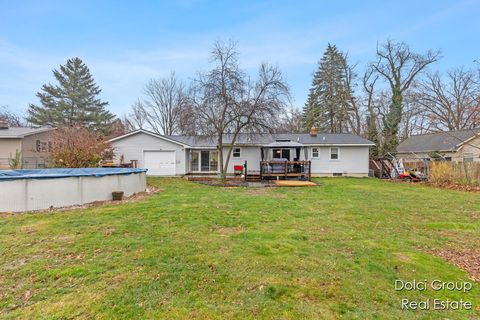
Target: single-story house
(34, 145)
(327, 154)
(460, 146)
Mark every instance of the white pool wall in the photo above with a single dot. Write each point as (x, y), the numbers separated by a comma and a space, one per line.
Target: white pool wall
(37, 194)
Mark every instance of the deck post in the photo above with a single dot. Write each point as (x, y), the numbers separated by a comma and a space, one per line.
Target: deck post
(309, 170)
(245, 170)
(261, 170)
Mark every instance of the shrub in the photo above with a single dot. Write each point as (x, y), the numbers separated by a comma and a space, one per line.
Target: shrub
(466, 173)
(15, 162)
(76, 147)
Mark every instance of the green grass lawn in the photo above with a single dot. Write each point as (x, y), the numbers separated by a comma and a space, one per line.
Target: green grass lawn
(194, 251)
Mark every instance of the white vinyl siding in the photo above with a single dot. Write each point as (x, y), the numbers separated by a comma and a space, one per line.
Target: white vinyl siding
(468, 157)
(134, 146)
(353, 160)
(334, 153)
(250, 154)
(237, 152)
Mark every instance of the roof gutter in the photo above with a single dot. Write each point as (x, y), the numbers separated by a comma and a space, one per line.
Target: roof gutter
(151, 134)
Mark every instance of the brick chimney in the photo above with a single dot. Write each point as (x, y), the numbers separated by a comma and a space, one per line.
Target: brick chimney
(3, 124)
(313, 131)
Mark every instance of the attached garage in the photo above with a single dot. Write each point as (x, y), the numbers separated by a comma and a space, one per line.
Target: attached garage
(159, 163)
(161, 155)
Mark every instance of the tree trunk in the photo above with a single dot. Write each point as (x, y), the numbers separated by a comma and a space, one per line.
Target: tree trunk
(220, 157)
(392, 123)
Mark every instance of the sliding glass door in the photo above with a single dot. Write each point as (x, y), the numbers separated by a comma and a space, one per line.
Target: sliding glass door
(204, 161)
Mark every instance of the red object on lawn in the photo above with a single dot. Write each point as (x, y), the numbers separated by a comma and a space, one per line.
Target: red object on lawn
(238, 168)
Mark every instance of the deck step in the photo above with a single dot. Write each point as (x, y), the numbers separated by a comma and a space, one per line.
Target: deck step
(253, 177)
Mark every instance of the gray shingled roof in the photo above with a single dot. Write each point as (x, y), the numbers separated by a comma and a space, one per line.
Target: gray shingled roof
(264, 139)
(441, 141)
(21, 132)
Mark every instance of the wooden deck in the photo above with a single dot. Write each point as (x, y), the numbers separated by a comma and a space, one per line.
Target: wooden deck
(294, 183)
(285, 169)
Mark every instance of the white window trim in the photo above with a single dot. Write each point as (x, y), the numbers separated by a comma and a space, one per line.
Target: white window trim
(338, 154)
(239, 152)
(318, 151)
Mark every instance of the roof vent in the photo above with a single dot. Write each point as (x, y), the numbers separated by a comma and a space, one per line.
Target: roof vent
(282, 140)
(3, 124)
(323, 138)
(313, 131)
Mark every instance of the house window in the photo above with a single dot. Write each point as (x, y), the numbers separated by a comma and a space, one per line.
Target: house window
(50, 146)
(194, 161)
(334, 154)
(236, 152)
(468, 157)
(315, 152)
(44, 146)
(281, 154)
(37, 146)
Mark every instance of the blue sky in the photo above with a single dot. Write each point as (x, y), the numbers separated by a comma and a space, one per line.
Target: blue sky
(127, 42)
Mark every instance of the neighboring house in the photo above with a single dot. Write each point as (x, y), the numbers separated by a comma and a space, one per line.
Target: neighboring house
(34, 145)
(460, 146)
(330, 154)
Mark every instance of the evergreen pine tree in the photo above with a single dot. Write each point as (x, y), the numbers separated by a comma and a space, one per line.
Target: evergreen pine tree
(326, 107)
(73, 102)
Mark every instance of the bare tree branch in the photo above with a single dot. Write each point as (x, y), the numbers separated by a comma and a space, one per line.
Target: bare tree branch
(163, 104)
(226, 101)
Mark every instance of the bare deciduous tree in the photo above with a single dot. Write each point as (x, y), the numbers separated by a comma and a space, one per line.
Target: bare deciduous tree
(291, 121)
(372, 133)
(136, 118)
(165, 98)
(399, 67)
(188, 124)
(453, 102)
(352, 105)
(414, 116)
(128, 123)
(11, 118)
(226, 101)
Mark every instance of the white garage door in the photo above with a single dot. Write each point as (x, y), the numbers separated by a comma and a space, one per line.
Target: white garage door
(159, 163)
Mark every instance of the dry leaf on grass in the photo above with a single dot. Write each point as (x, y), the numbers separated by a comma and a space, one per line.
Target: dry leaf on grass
(465, 259)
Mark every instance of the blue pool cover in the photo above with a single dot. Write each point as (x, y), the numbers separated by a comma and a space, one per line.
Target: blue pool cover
(62, 173)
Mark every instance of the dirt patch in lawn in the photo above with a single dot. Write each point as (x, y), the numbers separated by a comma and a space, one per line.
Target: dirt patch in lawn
(133, 198)
(264, 192)
(465, 259)
(215, 182)
(230, 231)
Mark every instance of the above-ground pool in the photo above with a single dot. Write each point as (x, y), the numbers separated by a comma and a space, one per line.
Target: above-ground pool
(24, 190)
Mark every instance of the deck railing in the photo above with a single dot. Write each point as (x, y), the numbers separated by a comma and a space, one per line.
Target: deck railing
(286, 169)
